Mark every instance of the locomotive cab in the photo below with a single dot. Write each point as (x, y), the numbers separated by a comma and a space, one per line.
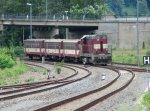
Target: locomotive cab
(94, 49)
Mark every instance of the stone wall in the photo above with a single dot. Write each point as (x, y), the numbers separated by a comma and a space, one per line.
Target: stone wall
(124, 35)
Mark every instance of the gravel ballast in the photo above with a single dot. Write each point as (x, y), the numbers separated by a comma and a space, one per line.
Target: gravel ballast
(38, 100)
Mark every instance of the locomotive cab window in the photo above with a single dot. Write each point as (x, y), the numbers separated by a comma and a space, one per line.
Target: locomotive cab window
(84, 40)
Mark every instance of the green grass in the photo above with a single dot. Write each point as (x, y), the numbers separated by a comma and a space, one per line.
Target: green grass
(127, 56)
(11, 75)
(146, 101)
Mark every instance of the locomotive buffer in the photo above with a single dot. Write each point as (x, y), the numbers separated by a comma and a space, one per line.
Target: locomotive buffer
(146, 61)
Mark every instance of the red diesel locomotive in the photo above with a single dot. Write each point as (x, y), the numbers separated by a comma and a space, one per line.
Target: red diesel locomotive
(89, 49)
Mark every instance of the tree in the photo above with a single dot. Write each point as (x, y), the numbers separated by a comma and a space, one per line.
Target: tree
(89, 8)
(130, 3)
(148, 3)
(116, 6)
(143, 8)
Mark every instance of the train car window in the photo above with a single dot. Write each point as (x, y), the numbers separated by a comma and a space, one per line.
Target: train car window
(69, 46)
(52, 46)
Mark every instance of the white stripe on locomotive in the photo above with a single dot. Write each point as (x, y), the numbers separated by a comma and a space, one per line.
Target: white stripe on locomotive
(98, 46)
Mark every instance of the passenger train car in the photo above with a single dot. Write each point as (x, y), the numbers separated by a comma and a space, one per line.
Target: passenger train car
(89, 49)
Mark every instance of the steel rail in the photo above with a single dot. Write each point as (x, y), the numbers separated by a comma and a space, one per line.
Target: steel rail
(54, 105)
(89, 105)
(41, 90)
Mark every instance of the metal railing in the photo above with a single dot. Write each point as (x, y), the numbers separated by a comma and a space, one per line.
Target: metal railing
(71, 18)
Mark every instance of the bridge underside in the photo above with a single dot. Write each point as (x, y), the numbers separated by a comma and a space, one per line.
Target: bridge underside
(62, 32)
(121, 35)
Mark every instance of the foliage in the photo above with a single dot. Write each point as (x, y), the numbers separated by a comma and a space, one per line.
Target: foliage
(13, 52)
(130, 3)
(115, 6)
(58, 67)
(90, 10)
(76, 11)
(10, 75)
(18, 51)
(146, 101)
(143, 8)
(58, 7)
(12, 36)
(6, 61)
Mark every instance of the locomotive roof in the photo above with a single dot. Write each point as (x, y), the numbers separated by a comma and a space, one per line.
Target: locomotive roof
(94, 36)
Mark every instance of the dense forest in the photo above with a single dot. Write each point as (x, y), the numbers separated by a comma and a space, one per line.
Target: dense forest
(75, 9)
(90, 8)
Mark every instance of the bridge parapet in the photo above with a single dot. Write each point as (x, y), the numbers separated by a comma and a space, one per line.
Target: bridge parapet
(73, 19)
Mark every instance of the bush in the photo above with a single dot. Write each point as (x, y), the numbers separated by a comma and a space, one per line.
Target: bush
(58, 70)
(58, 67)
(19, 52)
(6, 61)
(11, 75)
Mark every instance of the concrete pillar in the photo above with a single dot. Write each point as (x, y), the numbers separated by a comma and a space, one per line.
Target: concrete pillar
(45, 33)
(1, 27)
(118, 34)
(43, 60)
(54, 31)
(2, 16)
(67, 33)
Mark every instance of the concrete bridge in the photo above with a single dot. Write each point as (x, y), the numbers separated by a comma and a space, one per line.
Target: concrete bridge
(122, 31)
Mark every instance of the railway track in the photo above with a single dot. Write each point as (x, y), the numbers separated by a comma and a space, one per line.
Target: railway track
(70, 103)
(28, 89)
(132, 67)
(28, 86)
(80, 101)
